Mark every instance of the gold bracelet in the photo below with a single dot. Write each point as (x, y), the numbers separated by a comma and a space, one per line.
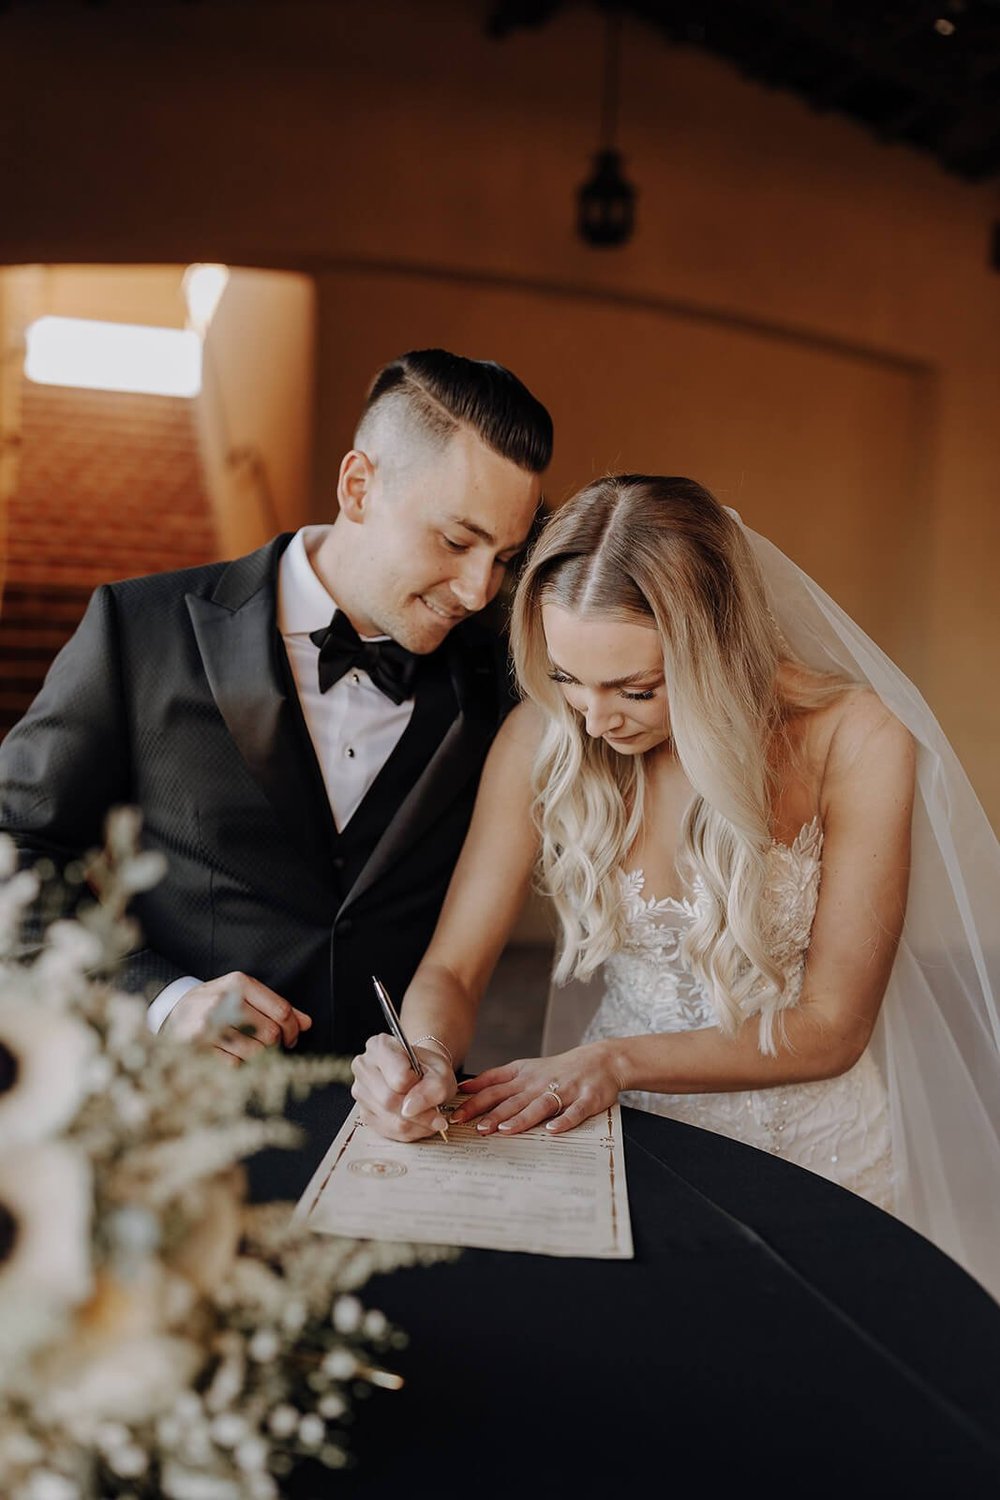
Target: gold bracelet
(444, 1048)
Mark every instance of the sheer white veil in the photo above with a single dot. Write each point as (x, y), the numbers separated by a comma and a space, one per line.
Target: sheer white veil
(937, 1041)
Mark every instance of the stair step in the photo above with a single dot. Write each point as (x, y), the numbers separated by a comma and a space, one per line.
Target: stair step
(56, 602)
(116, 530)
(23, 681)
(13, 701)
(118, 562)
(24, 666)
(85, 577)
(72, 549)
(27, 641)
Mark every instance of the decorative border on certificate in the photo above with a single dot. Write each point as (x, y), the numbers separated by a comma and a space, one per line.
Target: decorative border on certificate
(538, 1192)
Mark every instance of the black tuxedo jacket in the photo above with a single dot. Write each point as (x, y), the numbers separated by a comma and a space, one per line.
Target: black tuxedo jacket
(175, 696)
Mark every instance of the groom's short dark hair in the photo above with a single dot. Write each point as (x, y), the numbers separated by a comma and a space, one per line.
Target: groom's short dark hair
(444, 391)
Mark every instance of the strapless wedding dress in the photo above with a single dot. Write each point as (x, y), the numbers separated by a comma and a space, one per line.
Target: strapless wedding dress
(838, 1127)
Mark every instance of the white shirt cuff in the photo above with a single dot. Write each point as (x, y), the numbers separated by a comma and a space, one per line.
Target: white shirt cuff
(160, 1008)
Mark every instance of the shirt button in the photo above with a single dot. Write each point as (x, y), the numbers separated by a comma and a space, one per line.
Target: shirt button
(355, 676)
(349, 752)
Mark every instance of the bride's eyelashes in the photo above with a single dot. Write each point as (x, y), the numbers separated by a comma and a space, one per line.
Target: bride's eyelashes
(642, 697)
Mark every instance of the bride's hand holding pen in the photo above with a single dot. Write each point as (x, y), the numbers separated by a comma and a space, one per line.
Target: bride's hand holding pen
(401, 1085)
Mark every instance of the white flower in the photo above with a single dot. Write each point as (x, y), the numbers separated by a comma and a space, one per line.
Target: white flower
(143, 871)
(111, 1435)
(375, 1323)
(129, 1461)
(347, 1314)
(16, 893)
(45, 1215)
(44, 1484)
(264, 1346)
(294, 1315)
(18, 1449)
(134, 1234)
(181, 1483)
(252, 1454)
(283, 1420)
(131, 1380)
(228, 1429)
(339, 1364)
(46, 1058)
(311, 1431)
(262, 1487)
(69, 951)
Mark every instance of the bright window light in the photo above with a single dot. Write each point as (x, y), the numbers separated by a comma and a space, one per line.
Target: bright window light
(204, 283)
(113, 357)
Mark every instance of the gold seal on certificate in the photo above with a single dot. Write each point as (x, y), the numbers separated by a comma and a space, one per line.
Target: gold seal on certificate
(560, 1194)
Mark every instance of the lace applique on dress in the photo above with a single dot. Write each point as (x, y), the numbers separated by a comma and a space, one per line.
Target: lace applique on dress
(645, 920)
(838, 1126)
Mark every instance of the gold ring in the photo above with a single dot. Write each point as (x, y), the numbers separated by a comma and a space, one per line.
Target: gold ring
(553, 1090)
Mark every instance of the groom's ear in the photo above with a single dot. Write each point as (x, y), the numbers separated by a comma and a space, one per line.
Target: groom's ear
(354, 484)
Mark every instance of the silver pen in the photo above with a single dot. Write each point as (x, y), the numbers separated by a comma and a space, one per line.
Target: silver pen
(395, 1026)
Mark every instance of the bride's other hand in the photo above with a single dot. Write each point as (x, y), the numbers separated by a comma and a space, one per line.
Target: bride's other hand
(557, 1092)
(398, 1105)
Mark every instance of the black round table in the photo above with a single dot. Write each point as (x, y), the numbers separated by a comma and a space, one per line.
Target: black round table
(773, 1331)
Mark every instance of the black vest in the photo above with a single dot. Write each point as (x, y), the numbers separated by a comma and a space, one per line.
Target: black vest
(434, 709)
(435, 706)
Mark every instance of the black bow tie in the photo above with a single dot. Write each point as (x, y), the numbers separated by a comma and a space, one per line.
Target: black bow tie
(389, 665)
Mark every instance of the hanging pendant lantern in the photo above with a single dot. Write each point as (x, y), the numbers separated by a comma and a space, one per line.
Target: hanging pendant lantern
(606, 200)
(606, 203)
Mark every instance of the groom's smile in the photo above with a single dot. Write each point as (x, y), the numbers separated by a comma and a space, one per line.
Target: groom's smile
(431, 539)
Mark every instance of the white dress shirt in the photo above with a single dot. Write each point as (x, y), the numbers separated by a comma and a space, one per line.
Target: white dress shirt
(353, 726)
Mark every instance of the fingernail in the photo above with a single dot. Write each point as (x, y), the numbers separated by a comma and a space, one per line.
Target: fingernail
(550, 1125)
(439, 1122)
(484, 1126)
(407, 1109)
(504, 1125)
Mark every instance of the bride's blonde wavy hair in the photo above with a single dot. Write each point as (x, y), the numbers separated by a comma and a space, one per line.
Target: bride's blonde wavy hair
(658, 549)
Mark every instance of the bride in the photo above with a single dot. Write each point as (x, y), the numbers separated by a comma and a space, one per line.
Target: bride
(771, 875)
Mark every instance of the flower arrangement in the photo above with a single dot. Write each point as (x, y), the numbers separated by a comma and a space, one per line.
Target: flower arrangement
(159, 1334)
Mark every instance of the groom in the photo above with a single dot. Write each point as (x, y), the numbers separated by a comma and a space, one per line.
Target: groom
(302, 729)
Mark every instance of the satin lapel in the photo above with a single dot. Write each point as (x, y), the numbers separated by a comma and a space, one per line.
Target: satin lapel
(458, 756)
(238, 647)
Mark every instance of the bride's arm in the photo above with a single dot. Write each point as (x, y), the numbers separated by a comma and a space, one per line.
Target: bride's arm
(866, 805)
(484, 900)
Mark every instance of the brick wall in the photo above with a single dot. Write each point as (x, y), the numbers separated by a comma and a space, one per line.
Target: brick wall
(110, 486)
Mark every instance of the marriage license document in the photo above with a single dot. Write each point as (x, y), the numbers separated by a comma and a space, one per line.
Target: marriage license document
(551, 1194)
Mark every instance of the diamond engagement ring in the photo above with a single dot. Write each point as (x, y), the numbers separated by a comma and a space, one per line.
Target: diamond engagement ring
(552, 1089)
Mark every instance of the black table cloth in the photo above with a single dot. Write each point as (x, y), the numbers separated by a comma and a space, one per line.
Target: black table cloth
(773, 1331)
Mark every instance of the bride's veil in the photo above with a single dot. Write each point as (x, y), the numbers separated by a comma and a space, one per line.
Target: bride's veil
(938, 1036)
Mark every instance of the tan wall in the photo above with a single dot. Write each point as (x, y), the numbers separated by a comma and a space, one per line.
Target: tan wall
(148, 295)
(255, 407)
(805, 319)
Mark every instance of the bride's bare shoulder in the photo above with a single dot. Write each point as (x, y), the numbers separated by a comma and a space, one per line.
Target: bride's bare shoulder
(865, 739)
(834, 728)
(859, 716)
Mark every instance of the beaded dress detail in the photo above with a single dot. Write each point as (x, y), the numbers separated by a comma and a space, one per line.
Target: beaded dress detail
(838, 1127)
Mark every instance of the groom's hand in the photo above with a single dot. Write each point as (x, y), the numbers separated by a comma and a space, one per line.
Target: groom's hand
(269, 1017)
(393, 1101)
